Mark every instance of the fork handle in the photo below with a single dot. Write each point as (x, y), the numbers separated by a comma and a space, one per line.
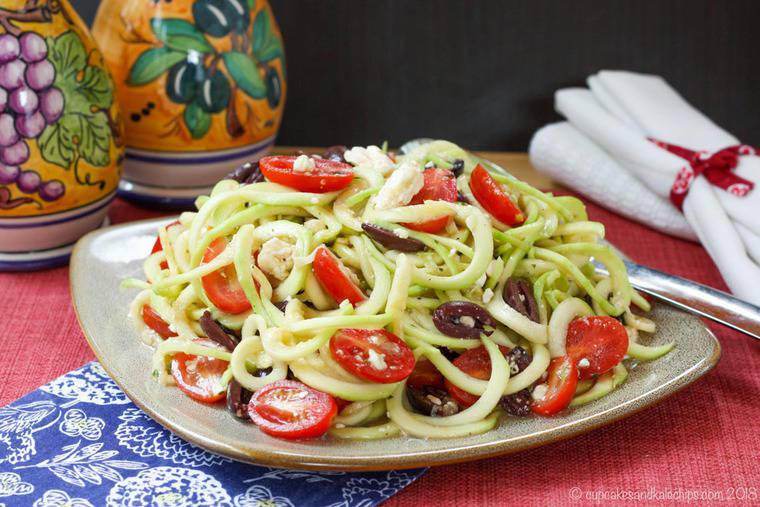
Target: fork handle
(697, 298)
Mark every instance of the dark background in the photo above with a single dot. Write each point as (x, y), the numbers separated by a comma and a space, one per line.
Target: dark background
(482, 73)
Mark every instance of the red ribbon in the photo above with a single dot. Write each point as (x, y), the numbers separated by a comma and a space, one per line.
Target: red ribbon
(717, 168)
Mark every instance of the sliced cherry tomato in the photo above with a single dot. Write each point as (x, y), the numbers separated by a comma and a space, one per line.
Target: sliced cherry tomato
(334, 277)
(154, 321)
(560, 387)
(327, 175)
(290, 409)
(476, 363)
(425, 374)
(440, 185)
(157, 247)
(222, 286)
(200, 377)
(373, 354)
(602, 341)
(492, 196)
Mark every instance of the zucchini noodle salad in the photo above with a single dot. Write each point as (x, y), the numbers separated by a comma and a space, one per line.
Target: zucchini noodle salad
(368, 294)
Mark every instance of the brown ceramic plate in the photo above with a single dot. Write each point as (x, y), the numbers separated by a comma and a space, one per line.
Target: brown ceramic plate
(103, 258)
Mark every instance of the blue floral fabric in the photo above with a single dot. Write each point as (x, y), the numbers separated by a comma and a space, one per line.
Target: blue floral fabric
(79, 441)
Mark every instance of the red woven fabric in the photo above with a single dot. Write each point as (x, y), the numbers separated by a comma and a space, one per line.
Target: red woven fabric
(702, 441)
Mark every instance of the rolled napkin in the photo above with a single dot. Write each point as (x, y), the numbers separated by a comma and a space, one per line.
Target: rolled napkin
(569, 157)
(639, 122)
(80, 441)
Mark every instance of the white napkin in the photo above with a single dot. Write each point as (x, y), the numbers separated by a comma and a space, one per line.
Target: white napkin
(614, 118)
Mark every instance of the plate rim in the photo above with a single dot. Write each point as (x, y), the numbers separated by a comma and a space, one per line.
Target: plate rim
(394, 461)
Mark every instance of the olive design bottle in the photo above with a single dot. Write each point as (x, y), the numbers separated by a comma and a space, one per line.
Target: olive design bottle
(201, 84)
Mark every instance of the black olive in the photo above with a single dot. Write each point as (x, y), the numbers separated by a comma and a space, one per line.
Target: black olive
(215, 333)
(448, 319)
(518, 294)
(462, 198)
(458, 167)
(518, 403)
(391, 241)
(246, 173)
(519, 359)
(335, 153)
(432, 401)
(237, 399)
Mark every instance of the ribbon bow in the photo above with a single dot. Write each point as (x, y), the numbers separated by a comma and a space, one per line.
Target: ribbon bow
(716, 167)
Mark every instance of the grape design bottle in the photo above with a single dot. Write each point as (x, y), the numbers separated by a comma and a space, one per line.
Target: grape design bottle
(202, 88)
(60, 133)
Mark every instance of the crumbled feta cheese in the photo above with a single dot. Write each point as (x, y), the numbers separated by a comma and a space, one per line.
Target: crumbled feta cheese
(314, 225)
(371, 156)
(400, 187)
(276, 258)
(487, 296)
(539, 392)
(304, 164)
(491, 267)
(377, 361)
(584, 363)
(467, 321)
(401, 232)
(481, 281)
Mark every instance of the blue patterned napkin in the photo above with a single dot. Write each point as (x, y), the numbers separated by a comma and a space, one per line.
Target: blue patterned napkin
(79, 441)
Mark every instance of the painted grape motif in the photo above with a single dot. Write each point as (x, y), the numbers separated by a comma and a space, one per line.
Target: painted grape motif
(28, 103)
(204, 79)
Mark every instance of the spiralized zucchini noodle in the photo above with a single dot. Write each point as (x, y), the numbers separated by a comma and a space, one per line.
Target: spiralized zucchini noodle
(290, 317)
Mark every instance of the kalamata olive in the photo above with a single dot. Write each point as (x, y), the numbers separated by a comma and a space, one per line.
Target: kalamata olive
(462, 319)
(517, 404)
(216, 333)
(518, 359)
(391, 241)
(335, 153)
(462, 198)
(246, 173)
(431, 400)
(237, 399)
(458, 167)
(518, 294)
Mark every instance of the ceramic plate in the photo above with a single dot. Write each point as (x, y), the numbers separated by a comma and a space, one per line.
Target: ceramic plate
(103, 258)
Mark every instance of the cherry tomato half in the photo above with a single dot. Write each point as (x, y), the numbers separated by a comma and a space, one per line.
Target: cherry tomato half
(154, 321)
(560, 387)
(200, 377)
(425, 374)
(476, 363)
(290, 409)
(601, 340)
(222, 286)
(157, 246)
(373, 354)
(334, 277)
(492, 196)
(440, 185)
(327, 175)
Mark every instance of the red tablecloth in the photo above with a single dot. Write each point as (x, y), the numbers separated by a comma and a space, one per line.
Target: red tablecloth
(703, 442)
